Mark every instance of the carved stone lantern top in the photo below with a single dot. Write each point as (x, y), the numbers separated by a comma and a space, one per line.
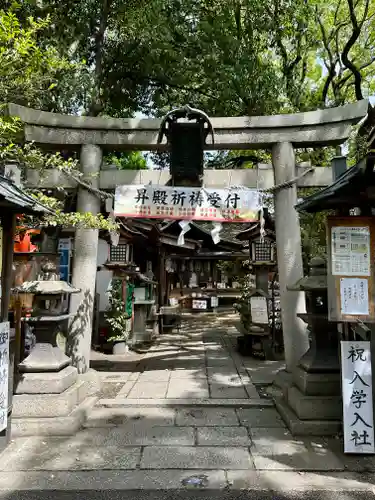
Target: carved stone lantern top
(317, 279)
(52, 287)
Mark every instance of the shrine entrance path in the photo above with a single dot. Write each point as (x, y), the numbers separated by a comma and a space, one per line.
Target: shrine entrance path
(187, 414)
(197, 361)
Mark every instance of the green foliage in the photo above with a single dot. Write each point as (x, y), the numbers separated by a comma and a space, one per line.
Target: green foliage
(133, 160)
(237, 57)
(29, 74)
(117, 315)
(27, 71)
(227, 57)
(313, 232)
(82, 220)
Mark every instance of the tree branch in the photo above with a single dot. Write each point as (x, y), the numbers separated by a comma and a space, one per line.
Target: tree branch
(96, 105)
(332, 63)
(160, 82)
(350, 43)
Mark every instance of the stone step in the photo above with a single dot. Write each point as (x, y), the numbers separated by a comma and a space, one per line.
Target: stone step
(47, 383)
(306, 427)
(174, 402)
(50, 405)
(54, 426)
(167, 484)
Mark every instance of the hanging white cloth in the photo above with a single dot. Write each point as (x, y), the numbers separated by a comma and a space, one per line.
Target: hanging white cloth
(215, 232)
(185, 227)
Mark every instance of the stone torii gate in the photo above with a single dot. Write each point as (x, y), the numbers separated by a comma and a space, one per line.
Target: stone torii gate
(280, 133)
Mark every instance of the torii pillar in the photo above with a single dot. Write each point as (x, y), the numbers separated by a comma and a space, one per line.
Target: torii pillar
(85, 263)
(289, 254)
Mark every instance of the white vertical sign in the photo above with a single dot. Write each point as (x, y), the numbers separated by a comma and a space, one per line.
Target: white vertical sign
(4, 374)
(259, 310)
(357, 397)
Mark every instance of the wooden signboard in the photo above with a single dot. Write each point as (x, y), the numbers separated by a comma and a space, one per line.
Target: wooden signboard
(351, 257)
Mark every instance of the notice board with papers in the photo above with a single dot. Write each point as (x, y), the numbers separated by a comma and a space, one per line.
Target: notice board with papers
(351, 256)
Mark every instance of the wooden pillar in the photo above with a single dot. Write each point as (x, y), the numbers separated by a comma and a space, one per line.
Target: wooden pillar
(9, 227)
(160, 278)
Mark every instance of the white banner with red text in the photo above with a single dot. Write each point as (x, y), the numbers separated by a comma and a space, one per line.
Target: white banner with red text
(190, 203)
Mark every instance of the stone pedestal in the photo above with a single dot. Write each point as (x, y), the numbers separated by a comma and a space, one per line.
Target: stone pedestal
(311, 402)
(50, 397)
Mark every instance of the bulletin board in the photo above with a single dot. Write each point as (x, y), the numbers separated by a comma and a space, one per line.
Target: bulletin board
(351, 257)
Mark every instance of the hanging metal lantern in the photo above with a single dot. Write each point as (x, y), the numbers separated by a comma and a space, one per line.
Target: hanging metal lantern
(186, 141)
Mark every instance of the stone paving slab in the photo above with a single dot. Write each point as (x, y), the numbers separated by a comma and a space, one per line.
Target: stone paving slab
(117, 485)
(142, 434)
(115, 377)
(220, 362)
(230, 380)
(226, 371)
(223, 391)
(201, 417)
(148, 390)
(299, 462)
(187, 402)
(177, 363)
(57, 454)
(188, 374)
(114, 417)
(111, 480)
(188, 389)
(274, 441)
(133, 433)
(287, 481)
(125, 389)
(197, 457)
(223, 436)
(278, 449)
(154, 376)
(260, 417)
(354, 463)
(251, 391)
(262, 372)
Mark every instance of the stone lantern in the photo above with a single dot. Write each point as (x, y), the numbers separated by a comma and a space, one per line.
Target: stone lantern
(262, 250)
(312, 402)
(48, 312)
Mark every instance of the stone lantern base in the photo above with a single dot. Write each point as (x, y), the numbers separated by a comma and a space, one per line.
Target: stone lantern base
(51, 398)
(304, 412)
(312, 403)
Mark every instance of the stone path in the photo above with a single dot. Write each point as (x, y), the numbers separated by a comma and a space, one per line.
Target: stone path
(198, 362)
(186, 414)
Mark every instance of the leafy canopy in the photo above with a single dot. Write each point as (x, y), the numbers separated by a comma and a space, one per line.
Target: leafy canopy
(28, 73)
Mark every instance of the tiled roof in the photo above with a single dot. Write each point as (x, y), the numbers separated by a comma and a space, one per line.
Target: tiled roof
(12, 194)
(347, 190)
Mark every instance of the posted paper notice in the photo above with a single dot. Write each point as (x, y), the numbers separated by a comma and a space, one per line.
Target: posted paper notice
(354, 296)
